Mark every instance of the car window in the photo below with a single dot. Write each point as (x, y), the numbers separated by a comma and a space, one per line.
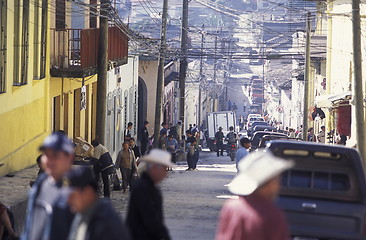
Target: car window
(316, 180)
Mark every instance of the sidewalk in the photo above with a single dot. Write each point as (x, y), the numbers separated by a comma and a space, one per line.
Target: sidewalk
(14, 192)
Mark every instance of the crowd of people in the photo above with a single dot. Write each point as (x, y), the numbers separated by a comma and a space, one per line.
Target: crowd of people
(64, 201)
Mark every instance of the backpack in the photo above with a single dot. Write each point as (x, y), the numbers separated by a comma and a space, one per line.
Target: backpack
(231, 137)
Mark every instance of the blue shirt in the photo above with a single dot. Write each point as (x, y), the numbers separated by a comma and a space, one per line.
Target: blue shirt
(240, 154)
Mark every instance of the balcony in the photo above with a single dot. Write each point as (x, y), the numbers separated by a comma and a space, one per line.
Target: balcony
(74, 52)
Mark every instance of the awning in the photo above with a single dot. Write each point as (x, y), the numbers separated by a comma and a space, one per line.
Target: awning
(328, 101)
(323, 101)
(340, 97)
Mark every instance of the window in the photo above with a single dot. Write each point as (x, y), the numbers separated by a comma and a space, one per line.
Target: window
(93, 14)
(316, 180)
(25, 43)
(36, 40)
(21, 44)
(60, 14)
(3, 15)
(42, 73)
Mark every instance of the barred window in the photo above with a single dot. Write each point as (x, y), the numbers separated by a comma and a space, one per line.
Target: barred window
(3, 15)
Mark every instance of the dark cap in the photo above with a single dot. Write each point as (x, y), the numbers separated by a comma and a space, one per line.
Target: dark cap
(80, 177)
(146, 122)
(244, 140)
(58, 142)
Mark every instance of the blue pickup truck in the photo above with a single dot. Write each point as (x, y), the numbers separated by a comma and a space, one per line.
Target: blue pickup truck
(324, 195)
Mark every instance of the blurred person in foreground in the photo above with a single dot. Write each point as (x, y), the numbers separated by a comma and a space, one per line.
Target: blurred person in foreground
(48, 214)
(145, 212)
(103, 166)
(254, 215)
(95, 217)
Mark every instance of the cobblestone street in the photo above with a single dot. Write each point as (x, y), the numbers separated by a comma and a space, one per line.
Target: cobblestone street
(192, 200)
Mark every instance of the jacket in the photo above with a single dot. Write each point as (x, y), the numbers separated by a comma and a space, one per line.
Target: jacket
(145, 212)
(60, 216)
(252, 217)
(104, 223)
(144, 135)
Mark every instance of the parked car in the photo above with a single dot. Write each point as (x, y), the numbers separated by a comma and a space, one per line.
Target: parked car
(268, 128)
(267, 138)
(254, 119)
(257, 137)
(324, 195)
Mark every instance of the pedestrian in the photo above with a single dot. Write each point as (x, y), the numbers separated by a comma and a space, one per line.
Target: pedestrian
(144, 135)
(95, 217)
(196, 153)
(172, 147)
(190, 142)
(322, 134)
(254, 214)
(6, 228)
(127, 133)
(103, 166)
(219, 137)
(162, 140)
(124, 163)
(292, 133)
(179, 131)
(145, 211)
(48, 214)
(165, 128)
(134, 148)
(311, 136)
(243, 150)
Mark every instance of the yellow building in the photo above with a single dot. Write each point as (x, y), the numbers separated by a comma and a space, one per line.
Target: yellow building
(24, 81)
(48, 74)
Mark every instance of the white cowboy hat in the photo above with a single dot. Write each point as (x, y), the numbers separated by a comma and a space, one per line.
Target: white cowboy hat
(255, 170)
(158, 156)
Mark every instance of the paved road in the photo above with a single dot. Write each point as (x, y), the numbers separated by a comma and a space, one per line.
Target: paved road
(192, 200)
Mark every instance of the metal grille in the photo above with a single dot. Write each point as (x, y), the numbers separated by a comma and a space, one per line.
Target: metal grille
(3, 15)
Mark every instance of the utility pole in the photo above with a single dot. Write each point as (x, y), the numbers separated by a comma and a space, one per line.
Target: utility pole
(215, 66)
(200, 80)
(183, 62)
(357, 79)
(306, 78)
(160, 80)
(102, 72)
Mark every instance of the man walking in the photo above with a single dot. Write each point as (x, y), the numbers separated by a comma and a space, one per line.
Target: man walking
(95, 217)
(144, 134)
(48, 215)
(191, 142)
(219, 137)
(321, 136)
(103, 166)
(145, 212)
(243, 151)
(254, 215)
(127, 133)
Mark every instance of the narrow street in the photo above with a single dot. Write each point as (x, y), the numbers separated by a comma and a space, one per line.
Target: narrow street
(192, 200)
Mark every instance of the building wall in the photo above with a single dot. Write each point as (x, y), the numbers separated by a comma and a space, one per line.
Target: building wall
(65, 109)
(339, 57)
(148, 72)
(24, 111)
(122, 103)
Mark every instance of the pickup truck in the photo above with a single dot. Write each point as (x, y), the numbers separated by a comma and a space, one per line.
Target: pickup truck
(324, 195)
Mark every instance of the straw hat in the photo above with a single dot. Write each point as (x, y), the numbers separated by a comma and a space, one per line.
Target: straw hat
(158, 156)
(255, 170)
